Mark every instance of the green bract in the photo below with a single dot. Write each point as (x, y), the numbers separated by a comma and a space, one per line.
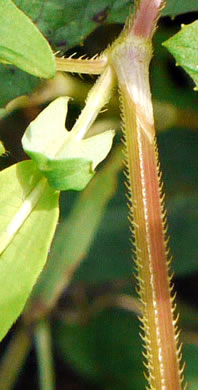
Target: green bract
(66, 161)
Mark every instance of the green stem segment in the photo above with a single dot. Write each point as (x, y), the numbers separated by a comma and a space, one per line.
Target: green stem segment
(131, 55)
(98, 96)
(80, 65)
(44, 354)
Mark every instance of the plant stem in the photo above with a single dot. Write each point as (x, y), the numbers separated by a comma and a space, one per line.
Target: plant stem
(80, 65)
(14, 358)
(44, 354)
(131, 55)
(160, 335)
(98, 96)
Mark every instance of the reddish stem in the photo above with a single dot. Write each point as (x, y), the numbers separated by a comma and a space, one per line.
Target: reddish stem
(131, 55)
(145, 18)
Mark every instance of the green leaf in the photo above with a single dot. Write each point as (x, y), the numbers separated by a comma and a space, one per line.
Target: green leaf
(25, 243)
(184, 47)
(67, 162)
(22, 44)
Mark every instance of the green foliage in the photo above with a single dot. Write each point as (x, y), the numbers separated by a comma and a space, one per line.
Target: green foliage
(67, 22)
(109, 257)
(183, 46)
(102, 351)
(26, 250)
(179, 159)
(22, 44)
(177, 7)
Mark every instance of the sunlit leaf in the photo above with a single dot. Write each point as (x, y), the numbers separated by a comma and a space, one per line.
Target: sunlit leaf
(24, 250)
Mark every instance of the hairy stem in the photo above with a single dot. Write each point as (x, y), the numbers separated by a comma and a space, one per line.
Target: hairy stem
(80, 65)
(159, 331)
(131, 56)
(98, 96)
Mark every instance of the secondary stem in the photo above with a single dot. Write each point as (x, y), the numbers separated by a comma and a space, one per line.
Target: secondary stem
(80, 65)
(44, 354)
(98, 96)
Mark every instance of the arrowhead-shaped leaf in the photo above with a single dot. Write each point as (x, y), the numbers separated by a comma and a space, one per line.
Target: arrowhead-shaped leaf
(67, 162)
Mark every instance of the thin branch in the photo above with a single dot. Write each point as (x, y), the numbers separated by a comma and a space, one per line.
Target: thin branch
(14, 358)
(44, 354)
(81, 65)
